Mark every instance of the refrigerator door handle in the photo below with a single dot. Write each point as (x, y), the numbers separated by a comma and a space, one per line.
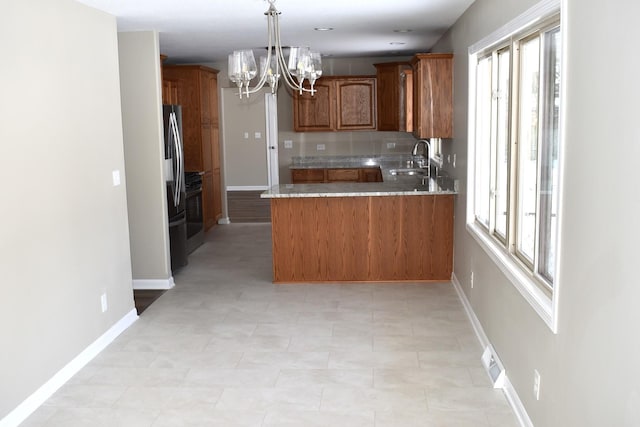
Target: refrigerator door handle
(173, 126)
(181, 159)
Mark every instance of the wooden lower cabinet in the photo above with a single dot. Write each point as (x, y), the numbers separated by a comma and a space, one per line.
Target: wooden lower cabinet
(320, 175)
(370, 175)
(306, 176)
(343, 175)
(353, 239)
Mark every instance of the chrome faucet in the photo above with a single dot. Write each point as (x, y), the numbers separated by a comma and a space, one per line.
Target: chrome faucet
(426, 152)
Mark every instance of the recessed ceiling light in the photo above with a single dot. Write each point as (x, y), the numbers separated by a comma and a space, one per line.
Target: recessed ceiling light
(402, 31)
(323, 29)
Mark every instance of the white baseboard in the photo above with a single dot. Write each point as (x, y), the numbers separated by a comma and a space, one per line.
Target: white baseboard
(224, 221)
(508, 389)
(477, 327)
(516, 404)
(153, 284)
(33, 402)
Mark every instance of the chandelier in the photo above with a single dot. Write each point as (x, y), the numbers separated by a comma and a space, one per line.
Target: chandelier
(303, 64)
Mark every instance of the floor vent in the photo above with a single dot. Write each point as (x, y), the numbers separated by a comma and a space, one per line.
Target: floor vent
(493, 366)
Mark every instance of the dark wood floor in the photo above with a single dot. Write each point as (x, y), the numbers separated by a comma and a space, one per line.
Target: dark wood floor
(144, 298)
(247, 206)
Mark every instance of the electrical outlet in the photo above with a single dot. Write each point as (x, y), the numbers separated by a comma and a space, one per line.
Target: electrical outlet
(320, 147)
(288, 143)
(536, 384)
(472, 280)
(116, 177)
(257, 135)
(103, 302)
(391, 145)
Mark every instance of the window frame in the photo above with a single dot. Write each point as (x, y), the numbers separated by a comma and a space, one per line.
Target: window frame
(539, 21)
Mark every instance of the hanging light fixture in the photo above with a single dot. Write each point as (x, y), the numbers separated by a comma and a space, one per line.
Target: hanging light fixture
(303, 64)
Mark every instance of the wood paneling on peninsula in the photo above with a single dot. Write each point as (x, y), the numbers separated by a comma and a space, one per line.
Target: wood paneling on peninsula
(370, 238)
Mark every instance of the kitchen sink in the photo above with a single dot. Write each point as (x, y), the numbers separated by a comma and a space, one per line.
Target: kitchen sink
(409, 172)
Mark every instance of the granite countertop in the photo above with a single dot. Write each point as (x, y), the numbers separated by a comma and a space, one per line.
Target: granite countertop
(392, 185)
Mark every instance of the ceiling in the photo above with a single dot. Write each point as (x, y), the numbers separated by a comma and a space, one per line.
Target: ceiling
(197, 31)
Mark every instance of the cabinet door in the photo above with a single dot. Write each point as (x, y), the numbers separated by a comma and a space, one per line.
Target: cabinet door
(170, 92)
(215, 148)
(343, 175)
(206, 137)
(213, 99)
(314, 113)
(208, 197)
(189, 98)
(391, 96)
(433, 95)
(205, 96)
(356, 99)
(408, 99)
(302, 176)
(370, 175)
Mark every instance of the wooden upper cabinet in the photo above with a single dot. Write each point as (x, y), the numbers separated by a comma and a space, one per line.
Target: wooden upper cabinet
(356, 100)
(433, 95)
(170, 91)
(392, 100)
(340, 103)
(314, 113)
(407, 76)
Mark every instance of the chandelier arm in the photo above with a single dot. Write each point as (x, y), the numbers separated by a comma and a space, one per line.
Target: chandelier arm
(265, 71)
(288, 78)
(293, 83)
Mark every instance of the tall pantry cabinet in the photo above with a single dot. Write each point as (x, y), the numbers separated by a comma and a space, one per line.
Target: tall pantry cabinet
(195, 87)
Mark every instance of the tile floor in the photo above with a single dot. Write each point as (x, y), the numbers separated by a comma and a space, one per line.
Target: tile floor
(226, 347)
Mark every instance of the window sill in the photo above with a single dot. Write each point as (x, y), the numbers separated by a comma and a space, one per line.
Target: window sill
(520, 278)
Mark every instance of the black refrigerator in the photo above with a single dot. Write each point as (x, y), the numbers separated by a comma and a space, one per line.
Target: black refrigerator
(174, 177)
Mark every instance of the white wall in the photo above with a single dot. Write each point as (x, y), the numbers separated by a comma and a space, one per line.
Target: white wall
(63, 230)
(141, 94)
(590, 370)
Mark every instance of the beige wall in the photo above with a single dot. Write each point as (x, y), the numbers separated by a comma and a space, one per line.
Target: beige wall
(246, 157)
(140, 84)
(590, 370)
(64, 233)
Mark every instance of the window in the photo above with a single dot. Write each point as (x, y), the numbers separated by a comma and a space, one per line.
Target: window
(515, 137)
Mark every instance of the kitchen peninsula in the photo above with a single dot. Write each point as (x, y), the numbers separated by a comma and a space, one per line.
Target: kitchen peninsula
(397, 230)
